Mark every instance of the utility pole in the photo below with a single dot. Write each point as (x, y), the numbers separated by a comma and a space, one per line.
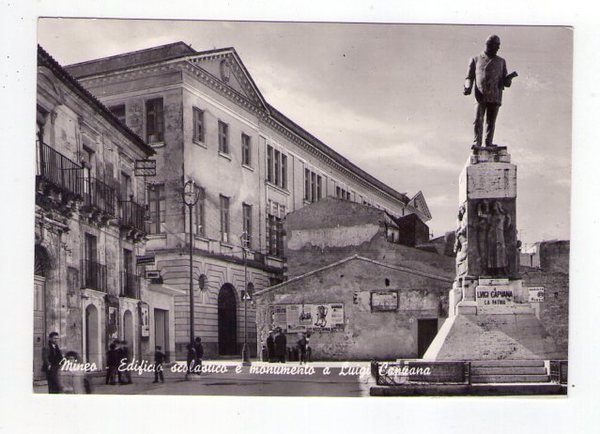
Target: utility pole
(190, 196)
(245, 351)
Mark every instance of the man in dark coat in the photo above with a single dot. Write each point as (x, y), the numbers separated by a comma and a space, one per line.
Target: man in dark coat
(52, 357)
(271, 347)
(199, 354)
(159, 359)
(113, 359)
(124, 353)
(280, 345)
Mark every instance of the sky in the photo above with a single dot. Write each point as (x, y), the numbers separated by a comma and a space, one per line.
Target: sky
(388, 97)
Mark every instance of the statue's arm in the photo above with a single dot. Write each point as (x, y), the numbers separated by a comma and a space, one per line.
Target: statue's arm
(469, 80)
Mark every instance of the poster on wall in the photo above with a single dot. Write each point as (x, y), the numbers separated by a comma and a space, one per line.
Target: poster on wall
(144, 319)
(309, 317)
(112, 329)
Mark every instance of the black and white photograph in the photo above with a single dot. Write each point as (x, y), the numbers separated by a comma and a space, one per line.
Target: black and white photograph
(304, 209)
(336, 217)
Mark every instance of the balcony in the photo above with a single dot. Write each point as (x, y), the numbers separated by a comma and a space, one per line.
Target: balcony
(93, 275)
(99, 201)
(130, 285)
(132, 220)
(59, 180)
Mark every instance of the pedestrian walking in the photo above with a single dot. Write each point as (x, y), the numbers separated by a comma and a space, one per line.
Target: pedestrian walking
(190, 359)
(126, 374)
(159, 359)
(271, 347)
(280, 345)
(51, 360)
(113, 358)
(301, 344)
(199, 354)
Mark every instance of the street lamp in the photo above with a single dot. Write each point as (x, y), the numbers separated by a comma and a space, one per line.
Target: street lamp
(245, 353)
(190, 196)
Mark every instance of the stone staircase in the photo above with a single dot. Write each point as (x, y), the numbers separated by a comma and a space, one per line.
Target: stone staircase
(509, 371)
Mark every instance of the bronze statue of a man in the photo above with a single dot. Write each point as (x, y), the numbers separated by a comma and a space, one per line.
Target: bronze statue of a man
(488, 72)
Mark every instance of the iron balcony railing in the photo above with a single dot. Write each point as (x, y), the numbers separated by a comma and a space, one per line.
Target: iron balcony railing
(93, 275)
(130, 285)
(56, 169)
(133, 215)
(100, 196)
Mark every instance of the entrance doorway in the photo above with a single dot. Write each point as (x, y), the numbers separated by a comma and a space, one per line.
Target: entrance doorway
(39, 325)
(227, 321)
(128, 332)
(161, 329)
(427, 329)
(92, 344)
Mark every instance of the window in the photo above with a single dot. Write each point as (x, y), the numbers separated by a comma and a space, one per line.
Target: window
(127, 261)
(246, 150)
(247, 223)
(91, 252)
(118, 111)
(341, 193)
(313, 186)
(198, 125)
(125, 186)
(155, 122)
(276, 167)
(274, 236)
(200, 213)
(223, 138)
(269, 163)
(157, 208)
(224, 206)
(284, 171)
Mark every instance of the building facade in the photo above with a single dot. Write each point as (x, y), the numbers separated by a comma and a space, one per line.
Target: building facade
(356, 286)
(207, 121)
(89, 222)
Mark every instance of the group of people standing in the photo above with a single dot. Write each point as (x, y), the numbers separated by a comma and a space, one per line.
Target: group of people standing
(117, 354)
(277, 346)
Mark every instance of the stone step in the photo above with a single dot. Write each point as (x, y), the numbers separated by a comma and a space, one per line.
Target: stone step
(508, 370)
(510, 379)
(499, 363)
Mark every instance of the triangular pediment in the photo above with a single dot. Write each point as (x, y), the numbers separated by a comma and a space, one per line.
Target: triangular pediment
(418, 202)
(227, 68)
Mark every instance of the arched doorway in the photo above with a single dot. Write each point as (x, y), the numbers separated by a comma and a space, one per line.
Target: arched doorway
(227, 321)
(128, 331)
(92, 346)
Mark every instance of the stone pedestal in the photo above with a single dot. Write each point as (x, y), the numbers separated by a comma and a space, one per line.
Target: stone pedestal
(490, 316)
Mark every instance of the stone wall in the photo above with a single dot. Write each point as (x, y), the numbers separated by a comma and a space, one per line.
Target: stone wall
(366, 334)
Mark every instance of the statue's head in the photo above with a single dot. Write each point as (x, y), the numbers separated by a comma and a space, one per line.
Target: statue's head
(492, 45)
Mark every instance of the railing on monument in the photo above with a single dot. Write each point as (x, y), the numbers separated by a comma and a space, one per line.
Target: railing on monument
(405, 372)
(58, 170)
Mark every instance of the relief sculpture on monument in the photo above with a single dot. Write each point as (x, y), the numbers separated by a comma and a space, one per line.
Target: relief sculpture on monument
(493, 232)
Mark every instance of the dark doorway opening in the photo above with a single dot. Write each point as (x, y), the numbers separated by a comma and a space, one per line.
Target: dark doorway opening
(427, 329)
(227, 321)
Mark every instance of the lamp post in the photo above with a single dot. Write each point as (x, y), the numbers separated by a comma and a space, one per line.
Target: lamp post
(245, 351)
(190, 198)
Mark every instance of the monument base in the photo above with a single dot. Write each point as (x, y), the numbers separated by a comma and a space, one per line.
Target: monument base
(491, 320)
(519, 336)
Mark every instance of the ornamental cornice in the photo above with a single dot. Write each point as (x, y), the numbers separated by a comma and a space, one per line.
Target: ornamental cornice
(251, 105)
